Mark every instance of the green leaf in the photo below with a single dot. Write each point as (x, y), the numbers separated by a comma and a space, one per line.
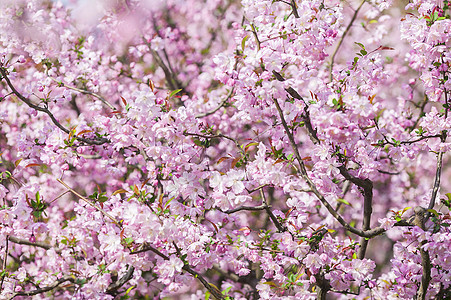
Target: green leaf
(207, 295)
(249, 145)
(173, 93)
(224, 292)
(434, 212)
(343, 201)
(128, 240)
(198, 142)
(243, 42)
(130, 289)
(360, 44)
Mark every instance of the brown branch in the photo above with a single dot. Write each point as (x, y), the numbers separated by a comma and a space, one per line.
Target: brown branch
(412, 141)
(99, 141)
(303, 172)
(254, 32)
(367, 186)
(28, 243)
(86, 92)
(4, 262)
(295, 9)
(322, 285)
(256, 189)
(227, 275)
(112, 289)
(331, 68)
(171, 78)
(423, 106)
(45, 289)
(438, 174)
(308, 124)
(419, 220)
(249, 208)
(89, 202)
(273, 218)
(218, 107)
(215, 137)
(306, 116)
(212, 289)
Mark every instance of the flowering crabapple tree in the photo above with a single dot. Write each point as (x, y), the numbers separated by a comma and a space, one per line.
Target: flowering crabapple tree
(225, 149)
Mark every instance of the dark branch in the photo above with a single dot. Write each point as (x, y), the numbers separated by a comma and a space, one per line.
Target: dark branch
(273, 218)
(295, 9)
(99, 141)
(218, 107)
(112, 289)
(354, 16)
(250, 208)
(419, 220)
(28, 243)
(306, 116)
(214, 291)
(303, 172)
(367, 186)
(45, 289)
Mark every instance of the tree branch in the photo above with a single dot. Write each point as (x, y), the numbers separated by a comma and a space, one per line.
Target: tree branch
(438, 174)
(306, 116)
(62, 84)
(303, 172)
(212, 289)
(419, 220)
(112, 289)
(99, 141)
(90, 203)
(4, 262)
(250, 208)
(28, 243)
(276, 222)
(218, 107)
(45, 289)
(354, 16)
(367, 186)
(294, 8)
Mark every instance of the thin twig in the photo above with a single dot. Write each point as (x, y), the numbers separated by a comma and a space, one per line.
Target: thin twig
(62, 84)
(257, 41)
(411, 141)
(303, 172)
(420, 115)
(89, 202)
(16, 240)
(223, 102)
(437, 180)
(45, 289)
(276, 222)
(112, 289)
(214, 291)
(99, 141)
(306, 116)
(4, 262)
(257, 188)
(354, 16)
(215, 137)
(249, 208)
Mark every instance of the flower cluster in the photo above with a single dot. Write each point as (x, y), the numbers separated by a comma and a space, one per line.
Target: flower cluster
(225, 149)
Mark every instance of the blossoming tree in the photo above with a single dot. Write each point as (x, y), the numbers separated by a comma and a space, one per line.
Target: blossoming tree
(225, 149)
